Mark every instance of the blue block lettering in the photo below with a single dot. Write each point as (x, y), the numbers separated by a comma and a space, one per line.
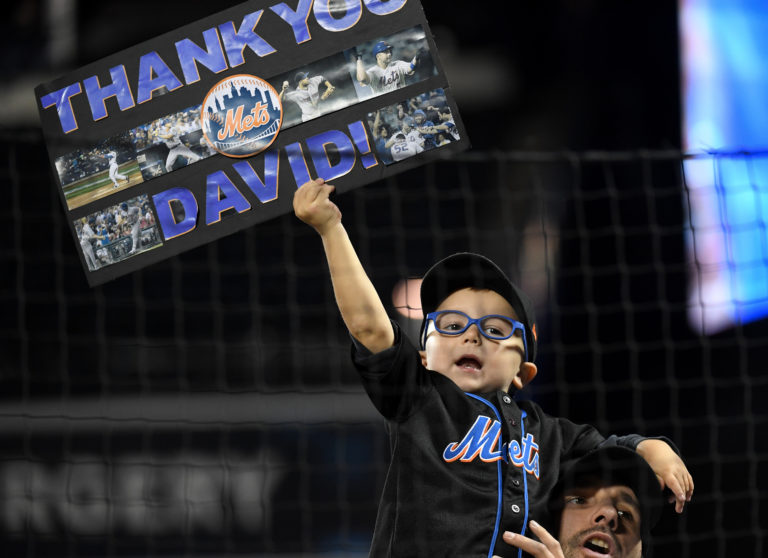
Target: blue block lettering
(384, 7)
(151, 65)
(265, 190)
(296, 19)
(319, 150)
(175, 225)
(218, 184)
(235, 41)
(334, 19)
(190, 54)
(61, 100)
(119, 88)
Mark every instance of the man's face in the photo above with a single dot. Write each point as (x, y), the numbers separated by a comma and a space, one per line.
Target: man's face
(384, 57)
(475, 363)
(600, 521)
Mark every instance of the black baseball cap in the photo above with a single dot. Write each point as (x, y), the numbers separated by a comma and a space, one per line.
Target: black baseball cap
(466, 269)
(615, 465)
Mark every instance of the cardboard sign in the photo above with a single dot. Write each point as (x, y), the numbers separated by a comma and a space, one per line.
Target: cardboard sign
(210, 128)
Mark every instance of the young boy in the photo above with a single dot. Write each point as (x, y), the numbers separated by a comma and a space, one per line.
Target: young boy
(468, 462)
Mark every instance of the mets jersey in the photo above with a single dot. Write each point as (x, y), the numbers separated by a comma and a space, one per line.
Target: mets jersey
(390, 78)
(464, 468)
(402, 149)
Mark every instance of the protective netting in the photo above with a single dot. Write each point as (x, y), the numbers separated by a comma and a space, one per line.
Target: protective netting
(207, 405)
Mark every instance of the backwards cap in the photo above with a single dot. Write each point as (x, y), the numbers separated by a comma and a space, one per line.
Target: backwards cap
(466, 269)
(615, 465)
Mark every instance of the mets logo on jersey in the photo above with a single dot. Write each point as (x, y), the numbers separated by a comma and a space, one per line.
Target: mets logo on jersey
(241, 115)
(481, 442)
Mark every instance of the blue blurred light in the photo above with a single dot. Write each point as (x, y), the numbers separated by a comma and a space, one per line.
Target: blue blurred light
(725, 108)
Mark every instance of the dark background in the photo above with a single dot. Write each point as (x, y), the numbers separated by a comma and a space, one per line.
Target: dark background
(561, 101)
(564, 74)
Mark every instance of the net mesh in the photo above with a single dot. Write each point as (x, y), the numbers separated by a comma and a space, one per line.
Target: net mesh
(207, 405)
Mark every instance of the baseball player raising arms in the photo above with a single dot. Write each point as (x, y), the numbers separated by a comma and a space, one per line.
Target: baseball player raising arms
(387, 74)
(468, 462)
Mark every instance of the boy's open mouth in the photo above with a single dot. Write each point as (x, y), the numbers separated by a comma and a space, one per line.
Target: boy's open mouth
(469, 363)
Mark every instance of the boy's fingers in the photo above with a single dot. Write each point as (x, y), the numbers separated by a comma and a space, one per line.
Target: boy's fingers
(678, 492)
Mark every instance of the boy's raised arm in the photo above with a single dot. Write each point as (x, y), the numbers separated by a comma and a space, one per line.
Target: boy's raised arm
(357, 299)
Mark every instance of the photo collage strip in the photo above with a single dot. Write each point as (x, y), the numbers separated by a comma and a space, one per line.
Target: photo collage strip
(373, 68)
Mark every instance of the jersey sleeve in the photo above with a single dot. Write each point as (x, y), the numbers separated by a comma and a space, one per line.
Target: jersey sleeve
(404, 66)
(578, 439)
(394, 378)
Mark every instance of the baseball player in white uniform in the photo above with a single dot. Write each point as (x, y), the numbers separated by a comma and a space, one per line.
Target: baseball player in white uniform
(307, 94)
(176, 148)
(401, 148)
(87, 236)
(114, 173)
(386, 75)
(132, 215)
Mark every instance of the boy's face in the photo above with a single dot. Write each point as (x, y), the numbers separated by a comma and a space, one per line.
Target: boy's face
(475, 363)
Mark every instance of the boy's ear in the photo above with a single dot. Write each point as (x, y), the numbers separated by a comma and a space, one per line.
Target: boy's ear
(527, 373)
(423, 355)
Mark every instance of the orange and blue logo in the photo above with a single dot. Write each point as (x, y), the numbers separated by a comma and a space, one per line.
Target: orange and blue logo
(241, 115)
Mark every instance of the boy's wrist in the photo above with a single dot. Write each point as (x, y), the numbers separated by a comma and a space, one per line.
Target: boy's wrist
(328, 230)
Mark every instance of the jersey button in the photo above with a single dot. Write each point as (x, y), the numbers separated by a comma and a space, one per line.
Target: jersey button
(516, 482)
(515, 508)
(507, 399)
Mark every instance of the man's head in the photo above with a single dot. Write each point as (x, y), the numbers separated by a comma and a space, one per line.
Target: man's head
(608, 500)
(479, 328)
(382, 51)
(300, 79)
(419, 116)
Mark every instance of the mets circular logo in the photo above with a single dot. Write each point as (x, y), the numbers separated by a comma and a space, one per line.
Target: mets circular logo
(241, 115)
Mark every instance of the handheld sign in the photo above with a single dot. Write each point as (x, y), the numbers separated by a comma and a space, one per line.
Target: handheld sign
(200, 132)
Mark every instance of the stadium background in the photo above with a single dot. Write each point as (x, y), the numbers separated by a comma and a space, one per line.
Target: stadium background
(206, 405)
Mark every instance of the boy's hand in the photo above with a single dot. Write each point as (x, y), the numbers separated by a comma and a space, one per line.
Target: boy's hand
(669, 469)
(311, 205)
(547, 548)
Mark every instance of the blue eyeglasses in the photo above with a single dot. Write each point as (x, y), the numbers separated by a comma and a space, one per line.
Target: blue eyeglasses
(493, 326)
